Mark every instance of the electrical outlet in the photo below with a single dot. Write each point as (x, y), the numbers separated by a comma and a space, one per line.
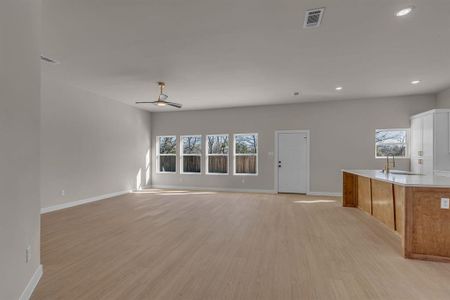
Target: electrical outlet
(63, 193)
(28, 254)
(445, 203)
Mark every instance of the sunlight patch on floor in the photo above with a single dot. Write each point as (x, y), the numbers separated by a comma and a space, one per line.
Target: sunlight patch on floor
(172, 192)
(314, 201)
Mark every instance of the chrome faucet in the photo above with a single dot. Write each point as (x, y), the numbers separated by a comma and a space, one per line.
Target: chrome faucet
(387, 167)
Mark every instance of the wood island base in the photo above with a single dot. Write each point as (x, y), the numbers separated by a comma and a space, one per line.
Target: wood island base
(413, 212)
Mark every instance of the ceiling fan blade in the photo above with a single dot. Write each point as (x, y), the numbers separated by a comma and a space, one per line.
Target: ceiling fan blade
(177, 105)
(142, 102)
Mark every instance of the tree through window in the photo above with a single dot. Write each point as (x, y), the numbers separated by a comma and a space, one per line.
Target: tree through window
(246, 154)
(391, 142)
(191, 154)
(167, 154)
(217, 154)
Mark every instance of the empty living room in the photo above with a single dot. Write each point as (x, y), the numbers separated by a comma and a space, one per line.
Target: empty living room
(227, 149)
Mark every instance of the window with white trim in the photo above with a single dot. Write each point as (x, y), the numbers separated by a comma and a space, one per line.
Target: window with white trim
(246, 154)
(391, 142)
(166, 156)
(217, 152)
(191, 154)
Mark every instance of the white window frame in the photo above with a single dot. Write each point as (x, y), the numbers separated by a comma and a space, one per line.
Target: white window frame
(235, 155)
(182, 155)
(394, 129)
(208, 155)
(158, 155)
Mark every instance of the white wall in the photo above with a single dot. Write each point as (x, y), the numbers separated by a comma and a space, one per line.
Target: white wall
(90, 145)
(443, 99)
(19, 144)
(342, 136)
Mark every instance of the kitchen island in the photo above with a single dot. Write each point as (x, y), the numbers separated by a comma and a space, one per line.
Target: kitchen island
(410, 205)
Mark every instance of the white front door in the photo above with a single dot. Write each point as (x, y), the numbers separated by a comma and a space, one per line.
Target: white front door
(292, 162)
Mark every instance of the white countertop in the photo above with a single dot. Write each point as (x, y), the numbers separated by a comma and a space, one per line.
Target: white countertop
(406, 180)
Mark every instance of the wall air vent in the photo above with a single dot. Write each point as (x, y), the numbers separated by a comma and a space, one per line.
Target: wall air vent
(313, 17)
(48, 60)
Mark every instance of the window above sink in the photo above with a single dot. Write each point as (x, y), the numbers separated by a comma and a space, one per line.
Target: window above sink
(392, 142)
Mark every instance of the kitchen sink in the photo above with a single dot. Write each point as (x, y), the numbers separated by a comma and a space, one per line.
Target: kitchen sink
(400, 172)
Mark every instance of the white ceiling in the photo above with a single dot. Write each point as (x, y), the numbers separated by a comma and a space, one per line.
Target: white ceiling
(222, 53)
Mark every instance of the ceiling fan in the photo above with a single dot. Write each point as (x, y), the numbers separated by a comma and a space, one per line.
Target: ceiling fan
(162, 98)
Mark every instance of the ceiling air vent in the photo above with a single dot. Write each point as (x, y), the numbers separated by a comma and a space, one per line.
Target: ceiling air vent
(313, 17)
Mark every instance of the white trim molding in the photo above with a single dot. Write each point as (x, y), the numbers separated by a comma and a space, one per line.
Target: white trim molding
(214, 189)
(308, 160)
(83, 201)
(26, 294)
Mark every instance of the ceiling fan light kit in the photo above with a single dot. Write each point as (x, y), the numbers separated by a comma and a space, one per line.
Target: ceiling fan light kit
(161, 102)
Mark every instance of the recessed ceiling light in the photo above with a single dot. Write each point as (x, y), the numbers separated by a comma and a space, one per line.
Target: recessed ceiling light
(405, 11)
(339, 88)
(415, 82)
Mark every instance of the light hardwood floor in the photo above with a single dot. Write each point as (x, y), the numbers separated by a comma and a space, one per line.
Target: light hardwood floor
(204, 245)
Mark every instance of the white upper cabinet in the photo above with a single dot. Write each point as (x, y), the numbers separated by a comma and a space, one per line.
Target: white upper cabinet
(430, 142)
(428, 135)
(416, 136)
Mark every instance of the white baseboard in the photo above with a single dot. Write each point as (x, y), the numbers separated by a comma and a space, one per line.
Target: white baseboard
(83, 201)
(177, 187)
(26, 294)
(328, 194)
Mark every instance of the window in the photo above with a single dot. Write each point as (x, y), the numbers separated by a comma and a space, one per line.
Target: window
(167, 154)
(217, 154)
(191, 154)
(246, 154)
(391, 142)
